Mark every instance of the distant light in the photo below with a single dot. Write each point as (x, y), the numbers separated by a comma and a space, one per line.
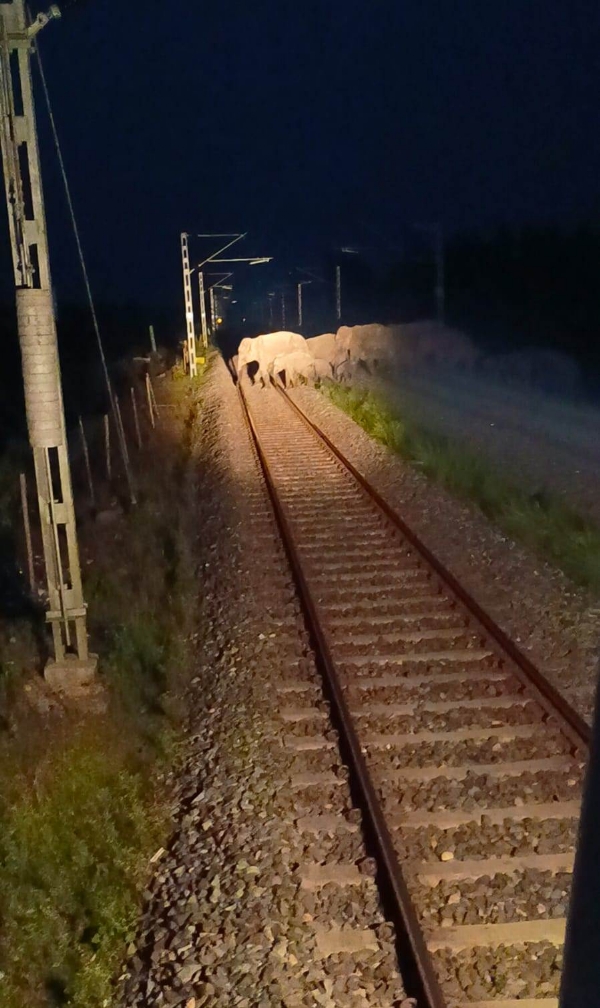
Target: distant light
(234, 302)
(351, 251)
(219, 321)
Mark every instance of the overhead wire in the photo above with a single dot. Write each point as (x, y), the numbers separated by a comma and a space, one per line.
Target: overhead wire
(114, 408)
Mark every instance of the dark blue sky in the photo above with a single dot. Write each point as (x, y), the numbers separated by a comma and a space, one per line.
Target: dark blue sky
(307, 123)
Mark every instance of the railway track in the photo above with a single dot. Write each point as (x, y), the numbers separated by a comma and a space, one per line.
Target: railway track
(466, 764)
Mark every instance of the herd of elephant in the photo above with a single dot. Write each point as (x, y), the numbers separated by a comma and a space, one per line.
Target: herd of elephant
(357, 351)
(288, 357)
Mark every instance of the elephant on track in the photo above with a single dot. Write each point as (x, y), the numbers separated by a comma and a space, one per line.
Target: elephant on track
(262, 351)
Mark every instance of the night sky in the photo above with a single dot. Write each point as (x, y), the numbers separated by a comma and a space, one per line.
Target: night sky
(312, 122)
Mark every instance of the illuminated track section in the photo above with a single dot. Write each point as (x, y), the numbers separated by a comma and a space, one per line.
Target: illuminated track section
(466, 763)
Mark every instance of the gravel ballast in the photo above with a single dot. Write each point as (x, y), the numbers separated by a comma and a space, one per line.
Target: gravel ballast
(227, 919)
(266, 895)
(556, 624)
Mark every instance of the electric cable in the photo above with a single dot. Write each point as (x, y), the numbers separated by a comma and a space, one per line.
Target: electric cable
(111, 396)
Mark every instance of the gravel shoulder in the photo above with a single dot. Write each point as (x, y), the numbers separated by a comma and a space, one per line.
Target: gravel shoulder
(555, 623)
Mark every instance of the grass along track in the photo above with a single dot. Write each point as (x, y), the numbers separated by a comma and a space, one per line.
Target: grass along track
(81, 807)
(557, 532)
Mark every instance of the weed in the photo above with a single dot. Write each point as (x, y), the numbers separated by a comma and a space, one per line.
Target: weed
(553, 529)
(80, 814)
(70, 855)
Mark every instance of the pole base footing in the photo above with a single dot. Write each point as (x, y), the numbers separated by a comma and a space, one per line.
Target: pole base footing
(71, 676)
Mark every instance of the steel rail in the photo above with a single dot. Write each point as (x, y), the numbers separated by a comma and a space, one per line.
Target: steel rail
(426, 985)
(571, 723)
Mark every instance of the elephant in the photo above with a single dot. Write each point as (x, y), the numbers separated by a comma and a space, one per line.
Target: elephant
(262, 351)
(294, 366)
(376, 349)
(327, 347)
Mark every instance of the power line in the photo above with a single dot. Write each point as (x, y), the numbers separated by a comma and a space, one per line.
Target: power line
(111, 396)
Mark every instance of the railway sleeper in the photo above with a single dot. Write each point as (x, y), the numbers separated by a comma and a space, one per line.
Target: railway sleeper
(437, 661)
(365, 563)
(384, 763)
(396, 600)
(525, 713)
(351, 639)
(445, 687)
(364, 539)
(502, 1002)
(355, 552)
(445, 706)
(423, 776)
(362, 582)
(362, 625)
(306, 515)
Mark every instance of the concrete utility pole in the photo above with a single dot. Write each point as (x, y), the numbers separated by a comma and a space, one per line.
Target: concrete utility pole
(338, 293)
(283, 310)
(152, 339)
(213, 310)
(189, 306)
(203, 309)
(299, 288)
(39, 347)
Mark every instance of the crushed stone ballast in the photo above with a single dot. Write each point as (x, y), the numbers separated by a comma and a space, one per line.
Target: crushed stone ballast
(466, 764)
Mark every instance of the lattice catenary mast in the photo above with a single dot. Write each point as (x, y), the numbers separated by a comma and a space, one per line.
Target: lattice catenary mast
(189, 307)
(37, 336)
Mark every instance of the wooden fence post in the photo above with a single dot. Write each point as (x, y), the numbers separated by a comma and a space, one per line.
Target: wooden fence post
(136, 419)
(153, 397)
(120, 420)
(27, 527)
(149, 396)
(107, 446)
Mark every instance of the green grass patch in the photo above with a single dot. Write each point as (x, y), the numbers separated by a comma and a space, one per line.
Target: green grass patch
(70, 856)
(81, 807)
(542, 522)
